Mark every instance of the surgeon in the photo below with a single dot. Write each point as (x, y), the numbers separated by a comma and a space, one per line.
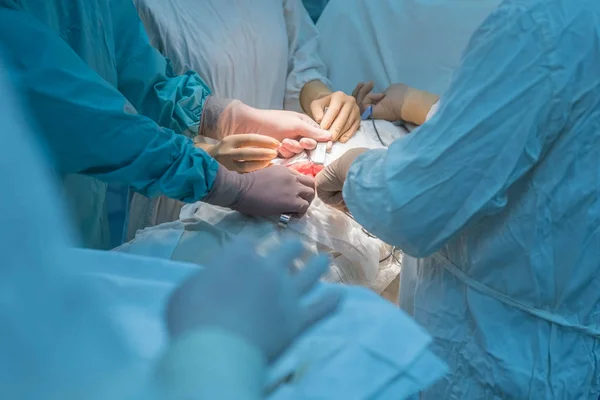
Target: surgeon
(59, 339)
(261, 53)
(497, 194)
(112, 110)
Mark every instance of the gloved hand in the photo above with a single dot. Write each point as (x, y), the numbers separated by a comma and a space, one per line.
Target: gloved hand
(398, 103)
(291, 147)
(244, 153)
(271, 191)
(221, 118)
(330, 181)
(297, 132)
(254, 297)
(338, 113)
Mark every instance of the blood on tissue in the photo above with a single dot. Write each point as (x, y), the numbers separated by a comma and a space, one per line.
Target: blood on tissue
(308, 168)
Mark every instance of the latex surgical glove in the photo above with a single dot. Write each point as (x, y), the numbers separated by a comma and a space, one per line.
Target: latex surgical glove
(398, 103)
(336, 112)
(223, 117)
(291, 147)
(330, 181)
(244, 153)
(268, 192)
(254, 297)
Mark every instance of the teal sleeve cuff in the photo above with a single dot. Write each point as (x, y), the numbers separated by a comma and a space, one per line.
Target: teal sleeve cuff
(213, 363)
(147, 79)
(118, 144)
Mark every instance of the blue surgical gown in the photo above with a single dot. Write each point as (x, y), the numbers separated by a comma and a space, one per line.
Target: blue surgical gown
(107, 103)
(499, 194)
(65, 313)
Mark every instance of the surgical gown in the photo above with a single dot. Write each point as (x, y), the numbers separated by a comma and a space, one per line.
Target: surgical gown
(71, 318)
(46, 318)
(499, 193)
(108, 104)
(261, 52)
(416, 42)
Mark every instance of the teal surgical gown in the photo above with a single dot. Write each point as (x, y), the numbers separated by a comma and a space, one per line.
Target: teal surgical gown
(108, 104)
(67, 314)
(499, 194)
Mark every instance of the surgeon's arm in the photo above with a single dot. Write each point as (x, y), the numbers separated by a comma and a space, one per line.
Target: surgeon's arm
(417, 107)
(213, 364)
(147, 80)
(307, 74)
(91, 128)
(502, 112)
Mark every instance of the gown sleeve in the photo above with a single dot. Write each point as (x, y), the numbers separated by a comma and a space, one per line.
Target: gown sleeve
(499, 118)
(147, 80)
(92, 129)
(304, 64)
(212, 363)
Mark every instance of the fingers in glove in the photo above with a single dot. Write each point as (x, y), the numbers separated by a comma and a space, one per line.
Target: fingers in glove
(292, 146)
(308, 277)
(317, 108)
(327, 180)
(307, 193)
(309, 120)
(364, 91)
(352, 120)
(285, 153)
(373, 98)
(335, 106)
(350, 132)
(254, 140)
(333, 199)
(305, 180)
(286, 254)
(310, 129)
(356, 90)
(324, 305)
(349, 121)
(300, 208)
(308, 144)
(252, 154)
(341, 120)
(250, 166)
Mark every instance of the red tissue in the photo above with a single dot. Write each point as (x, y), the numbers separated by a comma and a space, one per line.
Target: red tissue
(308, 168)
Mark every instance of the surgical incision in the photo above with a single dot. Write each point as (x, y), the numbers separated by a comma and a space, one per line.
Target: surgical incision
(306, 168)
